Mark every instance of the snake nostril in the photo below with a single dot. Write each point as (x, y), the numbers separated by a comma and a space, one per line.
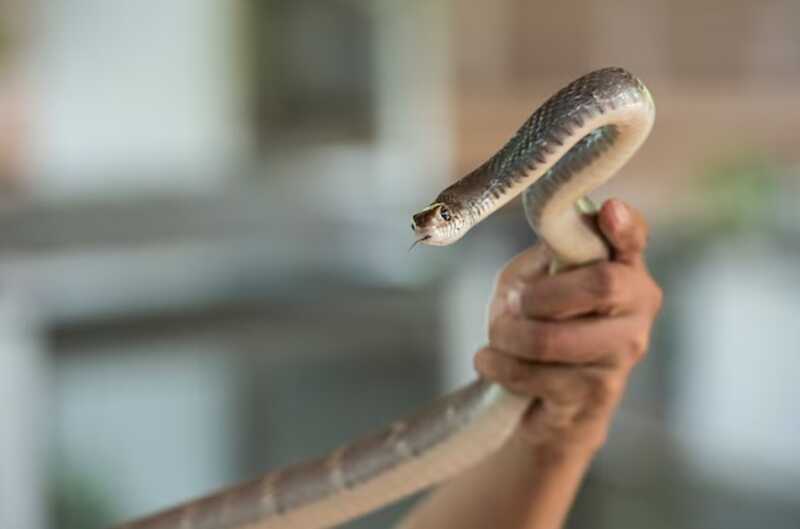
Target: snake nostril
(413, 226)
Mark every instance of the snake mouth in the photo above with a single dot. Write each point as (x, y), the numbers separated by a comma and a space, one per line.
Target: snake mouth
(422, 239)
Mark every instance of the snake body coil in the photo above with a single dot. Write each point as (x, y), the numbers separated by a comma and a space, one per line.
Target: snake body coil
(572, 144)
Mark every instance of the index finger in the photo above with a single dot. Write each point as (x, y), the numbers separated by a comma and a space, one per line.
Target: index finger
(528, 264)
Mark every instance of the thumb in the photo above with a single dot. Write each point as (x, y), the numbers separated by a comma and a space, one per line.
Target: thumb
(625, 229)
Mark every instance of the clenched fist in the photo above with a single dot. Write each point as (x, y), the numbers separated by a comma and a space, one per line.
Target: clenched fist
(570, 340)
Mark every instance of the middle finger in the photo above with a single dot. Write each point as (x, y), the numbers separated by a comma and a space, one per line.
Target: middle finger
(603, 288)
(582, 340)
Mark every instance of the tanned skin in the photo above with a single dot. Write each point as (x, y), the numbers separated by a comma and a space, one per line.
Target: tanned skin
(569, 341)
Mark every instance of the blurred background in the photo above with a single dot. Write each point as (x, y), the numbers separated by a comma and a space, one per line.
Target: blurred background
(204, 212)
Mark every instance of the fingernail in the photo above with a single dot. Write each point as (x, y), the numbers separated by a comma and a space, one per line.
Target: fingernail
(514, 301)
(621, 214)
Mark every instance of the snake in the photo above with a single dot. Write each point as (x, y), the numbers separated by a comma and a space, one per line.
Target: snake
(573, 143)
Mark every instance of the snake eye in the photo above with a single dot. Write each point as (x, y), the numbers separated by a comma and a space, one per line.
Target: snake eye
(444, 213)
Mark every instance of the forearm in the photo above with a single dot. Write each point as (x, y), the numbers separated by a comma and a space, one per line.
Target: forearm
(520, 487)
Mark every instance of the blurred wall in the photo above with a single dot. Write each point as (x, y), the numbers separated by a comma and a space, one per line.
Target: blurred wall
(144, 91)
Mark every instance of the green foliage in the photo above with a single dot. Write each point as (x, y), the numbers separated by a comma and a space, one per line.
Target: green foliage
(742, 193)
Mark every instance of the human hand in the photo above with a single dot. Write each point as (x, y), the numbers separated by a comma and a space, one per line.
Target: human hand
(570, 340)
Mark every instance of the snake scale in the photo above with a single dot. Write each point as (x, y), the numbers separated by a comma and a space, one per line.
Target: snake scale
(572, 144)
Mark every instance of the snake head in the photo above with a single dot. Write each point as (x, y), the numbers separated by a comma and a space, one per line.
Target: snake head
(437, 225)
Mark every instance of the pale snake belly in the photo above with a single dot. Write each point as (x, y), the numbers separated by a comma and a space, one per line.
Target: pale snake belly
(572, 144)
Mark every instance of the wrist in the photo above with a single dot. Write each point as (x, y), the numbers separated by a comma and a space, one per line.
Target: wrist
(556, 450)
(553, 453)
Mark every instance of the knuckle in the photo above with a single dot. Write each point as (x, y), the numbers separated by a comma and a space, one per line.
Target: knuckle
(527, 297)
(606, 282)
(597, 390)
(505, 276)
(637, 345)
(611, 387)
(511, 372)
(560, 390)
(558, 409)
(544, 341)
(499, 332)
(658, 297)
(603, 389)
(499, 368)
